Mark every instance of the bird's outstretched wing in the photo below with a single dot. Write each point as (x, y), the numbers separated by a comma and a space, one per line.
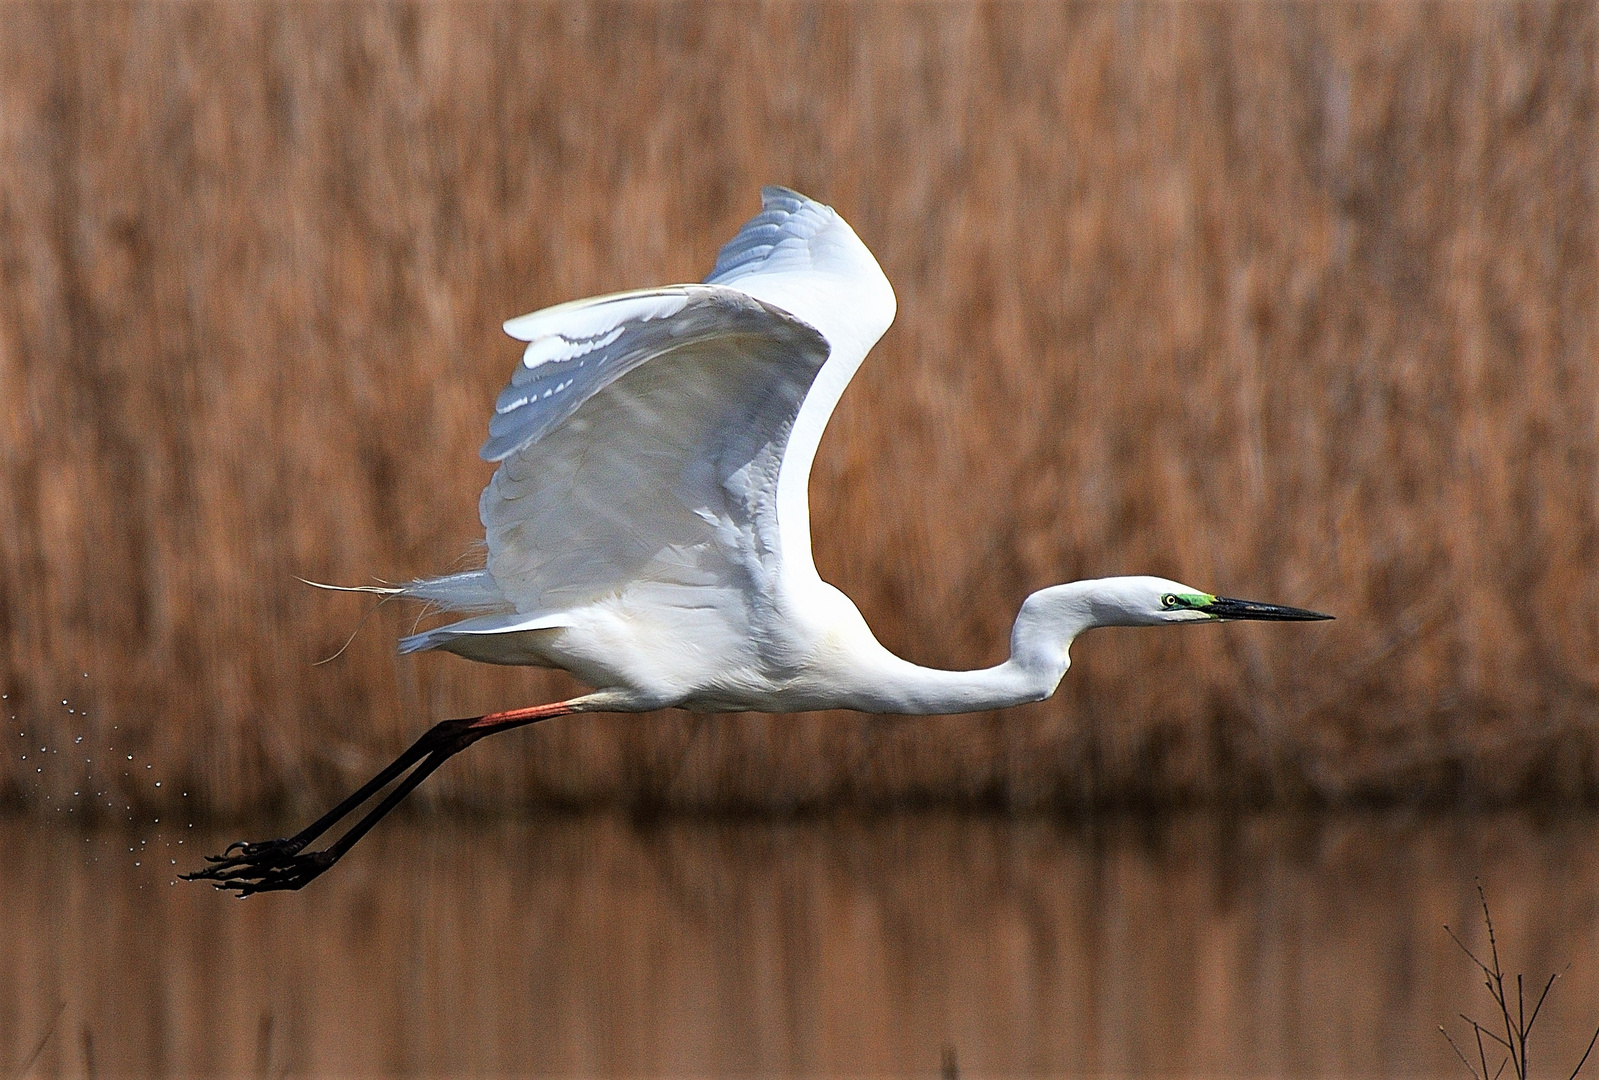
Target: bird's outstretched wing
(643, 437)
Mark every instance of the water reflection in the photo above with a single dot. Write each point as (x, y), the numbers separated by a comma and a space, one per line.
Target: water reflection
(603, 946)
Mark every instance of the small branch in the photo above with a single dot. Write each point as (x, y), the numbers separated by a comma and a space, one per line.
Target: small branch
(1522, 1026)
(1469, 1068)
(1484, 1031)
(1585, 1054)
(1497, 987)
(1486, 970)
(1518, 1025)
(1488, 920)
(1538, 1007)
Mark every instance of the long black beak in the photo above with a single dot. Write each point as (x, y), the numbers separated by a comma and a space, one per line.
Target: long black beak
(1225, 607)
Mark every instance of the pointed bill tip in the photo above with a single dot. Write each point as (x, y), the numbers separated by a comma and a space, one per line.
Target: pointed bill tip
(1225, 607)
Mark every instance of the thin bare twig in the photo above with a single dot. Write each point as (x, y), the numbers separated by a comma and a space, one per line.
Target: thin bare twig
(1585, 1054)
(1484, 1031)
(1536, 1008)
(1521, 1024)
(1482, 1054)
(1498, 992)
(1486, 970)
(1469, 1068)
(1518, 1025)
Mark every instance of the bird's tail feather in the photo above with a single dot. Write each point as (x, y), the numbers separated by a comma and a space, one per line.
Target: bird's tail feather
(471, 591)
(375, 590)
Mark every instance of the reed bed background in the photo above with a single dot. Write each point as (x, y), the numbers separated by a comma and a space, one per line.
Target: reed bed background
(1292, 302)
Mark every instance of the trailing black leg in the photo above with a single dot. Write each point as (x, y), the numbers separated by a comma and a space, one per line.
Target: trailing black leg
(285, 864)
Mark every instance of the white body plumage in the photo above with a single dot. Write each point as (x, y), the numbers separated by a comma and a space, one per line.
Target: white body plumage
(648, 527)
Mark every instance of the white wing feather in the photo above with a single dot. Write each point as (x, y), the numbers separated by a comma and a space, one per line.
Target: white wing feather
(656, 465)
(655, 446)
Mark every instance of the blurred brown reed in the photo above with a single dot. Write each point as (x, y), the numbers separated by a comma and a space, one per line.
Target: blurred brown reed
(1293, 302)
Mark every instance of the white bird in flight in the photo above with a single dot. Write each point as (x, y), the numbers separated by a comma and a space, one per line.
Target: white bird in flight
(648, 526)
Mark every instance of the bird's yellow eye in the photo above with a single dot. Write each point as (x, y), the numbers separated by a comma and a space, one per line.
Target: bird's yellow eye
(1168, 601)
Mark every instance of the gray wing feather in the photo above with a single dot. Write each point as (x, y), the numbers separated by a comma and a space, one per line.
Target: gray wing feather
(645, 437)
(776, 239)
(640, 445)
(575, 351)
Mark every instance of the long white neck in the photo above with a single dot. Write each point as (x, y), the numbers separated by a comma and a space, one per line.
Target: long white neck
(1039, 656)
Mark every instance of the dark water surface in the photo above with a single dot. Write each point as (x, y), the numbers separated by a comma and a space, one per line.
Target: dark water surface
(597, 946)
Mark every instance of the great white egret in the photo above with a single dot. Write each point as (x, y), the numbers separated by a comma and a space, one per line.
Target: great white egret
(648, 528)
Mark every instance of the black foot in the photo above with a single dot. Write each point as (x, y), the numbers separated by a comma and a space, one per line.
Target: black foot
(284, 864)
(263, 867)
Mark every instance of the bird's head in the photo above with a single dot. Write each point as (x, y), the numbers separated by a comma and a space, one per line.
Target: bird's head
(1143, 601)
(1051, 618)
(1150, 601)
